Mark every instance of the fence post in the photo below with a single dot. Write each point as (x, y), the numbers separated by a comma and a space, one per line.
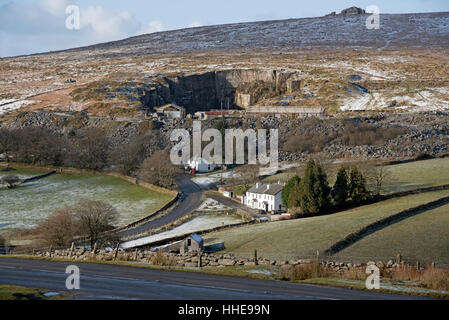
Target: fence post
(51, 249)
(33, 253)
(256, 259)
(135, 255)
(398, 258)
(433, 264)
(200, 254)
(116, 251)
(95, 248)
(71, 249)
(418, 265)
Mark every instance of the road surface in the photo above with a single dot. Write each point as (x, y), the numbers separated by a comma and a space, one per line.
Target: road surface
(120, 282)
(193, 199)
(234, 204)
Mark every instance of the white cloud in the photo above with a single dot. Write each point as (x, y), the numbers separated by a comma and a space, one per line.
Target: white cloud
(105, 24)
(54, 7)
(151, 27)
(195, 24)
(40, 27)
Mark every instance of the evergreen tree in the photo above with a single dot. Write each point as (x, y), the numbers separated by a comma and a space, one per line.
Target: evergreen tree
(287, 190)
(314, 189)
(357, 186)
(294, 198)
(340, 191)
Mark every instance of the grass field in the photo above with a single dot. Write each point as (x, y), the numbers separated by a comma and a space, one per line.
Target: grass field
(401, 177)
(26, 205)
(418, 174)
(427, 232)
(23, 293)
(301, 238)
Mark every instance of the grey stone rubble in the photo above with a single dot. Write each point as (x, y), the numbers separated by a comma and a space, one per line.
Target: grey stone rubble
(425, 133)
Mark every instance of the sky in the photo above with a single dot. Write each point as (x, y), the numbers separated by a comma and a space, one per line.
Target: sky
(32, 26)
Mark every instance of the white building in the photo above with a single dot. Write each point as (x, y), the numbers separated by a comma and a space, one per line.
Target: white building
(200, 165)
(267, 197)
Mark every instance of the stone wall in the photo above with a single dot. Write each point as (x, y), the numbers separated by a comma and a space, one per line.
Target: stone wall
(192, 259)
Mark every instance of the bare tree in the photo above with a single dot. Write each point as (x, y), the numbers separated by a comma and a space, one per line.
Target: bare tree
(129, 156)
(248, 174)
(6, 142)
(59, 229)
(93, 218)
(90, 150)
(158, 170)
(377, 177)
(10, 180)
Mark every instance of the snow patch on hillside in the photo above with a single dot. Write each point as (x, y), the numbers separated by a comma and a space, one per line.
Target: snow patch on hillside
(11, 105)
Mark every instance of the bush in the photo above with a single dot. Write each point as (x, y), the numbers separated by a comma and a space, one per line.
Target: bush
(306, 142)
(9, 180)
(59, 229)
(363, 134)
(430, 277)
(159, 171)
(161, 259)
(309, 271)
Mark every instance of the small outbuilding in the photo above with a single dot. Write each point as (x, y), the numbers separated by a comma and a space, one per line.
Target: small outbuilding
(171, 111)
(200, 165)
(193, 243)
(228, 192)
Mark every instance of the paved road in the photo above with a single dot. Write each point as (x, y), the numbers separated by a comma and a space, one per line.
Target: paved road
(234, 204)
(193, 199)
(120, 282)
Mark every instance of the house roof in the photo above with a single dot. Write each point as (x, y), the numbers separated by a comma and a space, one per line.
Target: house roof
(270, 189)
(197, 238)
(170, 107)
(199, 160)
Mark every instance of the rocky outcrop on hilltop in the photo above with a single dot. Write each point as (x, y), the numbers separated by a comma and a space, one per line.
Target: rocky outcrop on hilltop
(352, 11)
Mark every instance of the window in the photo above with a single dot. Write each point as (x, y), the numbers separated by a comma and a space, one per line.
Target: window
(189, 242)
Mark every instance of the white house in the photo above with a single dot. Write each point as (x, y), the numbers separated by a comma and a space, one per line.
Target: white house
(267, 197)
(200, 165)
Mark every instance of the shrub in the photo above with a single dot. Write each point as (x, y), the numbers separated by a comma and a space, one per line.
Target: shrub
(430, 277)
(309, 271)
(161, 259)
(158, 170)
(363, 134)
(59, 229)
(306, 142)
(9, 180)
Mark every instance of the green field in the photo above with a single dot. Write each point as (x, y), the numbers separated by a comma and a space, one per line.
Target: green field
(418, 174)
(26, 205)
(427, 232)
(401, 177)
(298, 239)
(23, 293)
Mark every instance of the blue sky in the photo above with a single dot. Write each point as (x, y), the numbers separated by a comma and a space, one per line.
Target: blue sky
(30, 26)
